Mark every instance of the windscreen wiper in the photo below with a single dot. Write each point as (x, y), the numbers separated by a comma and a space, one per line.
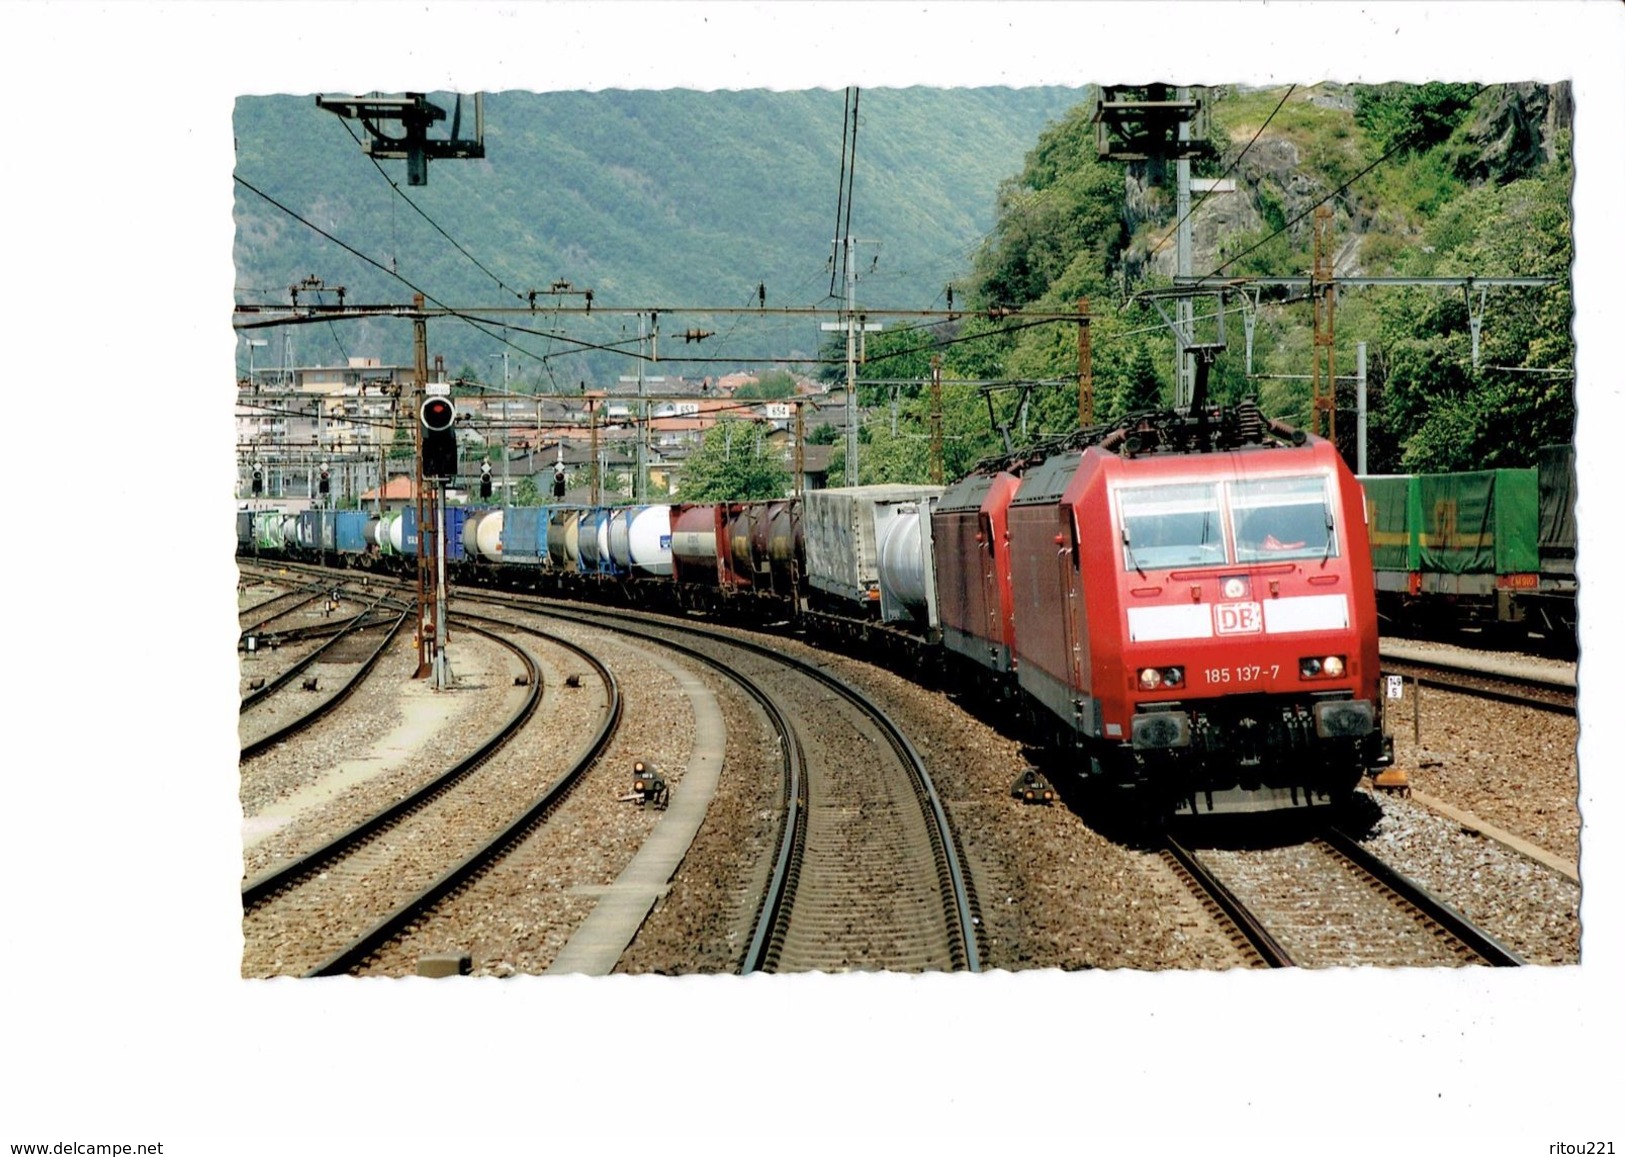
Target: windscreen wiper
(1134, 562)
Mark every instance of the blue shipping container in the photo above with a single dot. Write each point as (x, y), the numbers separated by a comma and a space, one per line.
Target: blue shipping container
(454, 531)
(351, 530)
(524, 535)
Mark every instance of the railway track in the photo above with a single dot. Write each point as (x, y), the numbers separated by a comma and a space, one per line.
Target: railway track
(328, 911)
(1372, 952)
(1331, 903)
(867, 873)
(287, 602)
(1483, 680)
(361, 665)
(1249, 936)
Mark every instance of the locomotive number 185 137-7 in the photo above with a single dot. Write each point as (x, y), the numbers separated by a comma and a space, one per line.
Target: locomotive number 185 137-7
(1254, 673)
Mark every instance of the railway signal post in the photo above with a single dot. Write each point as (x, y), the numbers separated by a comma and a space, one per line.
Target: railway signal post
(434, 434)
(437, 420)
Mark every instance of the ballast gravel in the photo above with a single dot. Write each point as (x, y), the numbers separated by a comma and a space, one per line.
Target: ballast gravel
(1052, 891)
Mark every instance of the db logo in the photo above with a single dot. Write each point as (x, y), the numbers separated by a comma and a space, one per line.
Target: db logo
(1238, 618)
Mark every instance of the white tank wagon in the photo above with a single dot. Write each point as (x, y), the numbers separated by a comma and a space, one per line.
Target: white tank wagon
(908, 582)
(564, 539)
(395, 530)
(482, 535)
(606, 564)
(640, 539)
(268, 529)
(843, 528)
(593, 541)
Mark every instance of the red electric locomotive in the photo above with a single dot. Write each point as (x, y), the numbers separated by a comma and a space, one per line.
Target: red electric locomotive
(970, 529)
(1194, 605)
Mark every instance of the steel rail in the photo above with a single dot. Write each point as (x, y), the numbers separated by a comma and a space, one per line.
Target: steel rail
(1429, 906)
(263, 603)
(249, 750)
(498, 846)
(1258, 938)
(773, 911)
(259, 627)
(259, 890)
(354, 625)
(960, 908)
(1490, 694)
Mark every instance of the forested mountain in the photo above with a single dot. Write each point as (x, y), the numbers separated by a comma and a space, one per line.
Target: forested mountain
(648, 198)
(658, 199)
(1436, 180)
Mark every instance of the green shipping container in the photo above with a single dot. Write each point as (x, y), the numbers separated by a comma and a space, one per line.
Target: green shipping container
(1388, 521)
(1482, 522)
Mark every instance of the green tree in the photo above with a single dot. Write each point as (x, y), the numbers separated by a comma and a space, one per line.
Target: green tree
(1060, 222)
(1440, 410)
(1412, 117)
(772, 384)
(525, 493)
(734, 462)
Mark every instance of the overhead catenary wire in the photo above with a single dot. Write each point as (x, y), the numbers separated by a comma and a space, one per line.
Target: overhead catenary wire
(840, 270)
(844, 213)
(1397, 148)
(835, 270)
(435, 225)
(1191, 212)
(427, 296)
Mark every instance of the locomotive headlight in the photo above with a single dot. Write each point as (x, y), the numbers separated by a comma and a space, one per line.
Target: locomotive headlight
(1322, 667)
(1152, 678)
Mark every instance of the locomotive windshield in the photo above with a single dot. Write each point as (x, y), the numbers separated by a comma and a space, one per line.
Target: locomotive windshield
(1178, 525)
(1182, 525)
(1281, 518)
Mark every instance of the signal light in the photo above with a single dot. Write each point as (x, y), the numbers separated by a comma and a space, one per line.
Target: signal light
(485, 479)
(258, 480)
(648, 785)
(558, 483)
(323, 486)
(1032, 787)
(438, 418)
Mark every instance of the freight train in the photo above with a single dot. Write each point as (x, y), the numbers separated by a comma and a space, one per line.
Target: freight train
(1184, 604)
(1492, 550)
